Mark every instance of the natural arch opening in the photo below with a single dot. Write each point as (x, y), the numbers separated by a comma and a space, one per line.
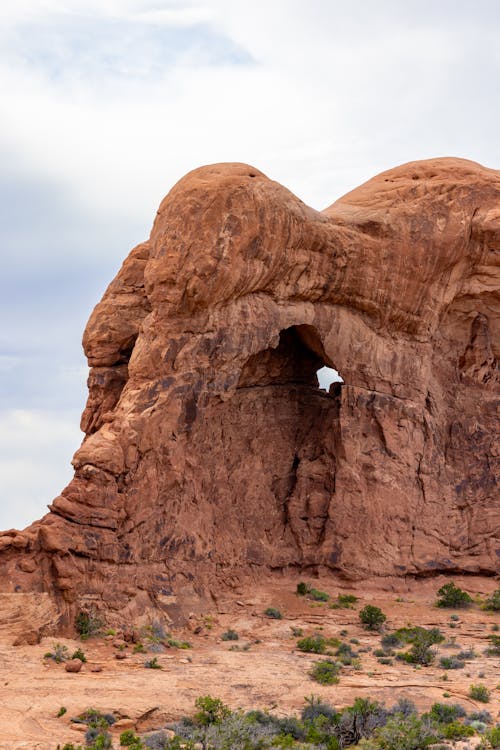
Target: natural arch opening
(299, 358)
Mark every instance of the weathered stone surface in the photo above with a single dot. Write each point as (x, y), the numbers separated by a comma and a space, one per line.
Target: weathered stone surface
(211, 455)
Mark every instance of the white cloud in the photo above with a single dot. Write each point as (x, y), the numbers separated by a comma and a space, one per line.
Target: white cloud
(36, 448)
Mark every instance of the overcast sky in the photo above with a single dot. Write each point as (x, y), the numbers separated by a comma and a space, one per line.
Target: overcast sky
(105, 104)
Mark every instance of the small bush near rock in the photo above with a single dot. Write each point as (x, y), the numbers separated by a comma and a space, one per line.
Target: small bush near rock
(479, 693)
(457, 731)
(273, 613)
(58, 654)
(128, 738)
(210, 710)
(372, 617)
(452, 596)
(61, 712)
(493, 737)
(325, 672)
(230, 635)
(79, 655)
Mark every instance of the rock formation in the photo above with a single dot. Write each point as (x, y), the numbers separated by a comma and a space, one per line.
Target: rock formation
(211, 455)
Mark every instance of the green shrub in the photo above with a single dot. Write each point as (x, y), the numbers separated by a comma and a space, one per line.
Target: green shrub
(318, 596)
(445, 713)
(494, 649)
(129, 739)
(453, 597)
(78, 654)
(61, 712)
(273, 613)
(372, 617)
(230, 635)
(211, 710)
(492, 603)
(479, 693)
(493, 736)
(325, 672)
(152, 663)
(317, 644)
(58, 654)
(303, 588)
(451, 662)
(457, 731)
(174, 643)
(88, 623)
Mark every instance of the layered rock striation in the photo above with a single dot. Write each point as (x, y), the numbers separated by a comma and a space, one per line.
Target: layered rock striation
(211, 454)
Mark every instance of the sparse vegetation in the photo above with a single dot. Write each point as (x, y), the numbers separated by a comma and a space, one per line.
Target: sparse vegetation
(492, 603)
(58, 654)
(273, 613)
(316, 644)
(479, 693)
(88, 623)
(344, 601)
(61, 712)
(325, 672)
(230, 635)
(451, 596)
(303, 588)
(372, 617)
(152, 663)
(78, 654)
(494, 648)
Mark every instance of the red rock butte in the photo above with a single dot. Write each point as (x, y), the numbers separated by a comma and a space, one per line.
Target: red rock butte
(211, 455)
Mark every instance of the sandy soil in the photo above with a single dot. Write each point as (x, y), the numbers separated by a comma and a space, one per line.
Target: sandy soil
(271, 674)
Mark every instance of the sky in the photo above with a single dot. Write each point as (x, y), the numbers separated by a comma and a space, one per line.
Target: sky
(105, 104)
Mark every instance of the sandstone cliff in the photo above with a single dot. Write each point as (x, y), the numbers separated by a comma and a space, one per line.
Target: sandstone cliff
(210, 452)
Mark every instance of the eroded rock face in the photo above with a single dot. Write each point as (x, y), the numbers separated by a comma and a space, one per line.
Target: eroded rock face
(210, 452)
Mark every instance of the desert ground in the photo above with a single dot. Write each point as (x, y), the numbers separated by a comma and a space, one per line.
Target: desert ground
(262, 669)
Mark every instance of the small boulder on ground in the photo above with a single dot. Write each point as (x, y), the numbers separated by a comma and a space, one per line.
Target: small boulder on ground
(73, 665)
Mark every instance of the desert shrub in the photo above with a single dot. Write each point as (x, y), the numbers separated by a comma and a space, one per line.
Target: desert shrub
(493, 737)
(296, 632)
(457, 731)
(61, 712)
(445, 713)
(483, 716)
(494, 649)
(273, 613)
(95, 718)
(372, 617)
(492, 603)
(98, 738)
(174, 643)
(88, 623)
(466, 654)
(128, 738)
(58, 654)
(410, 635)
(391, 640)
(315, 708)
(479, 693)
(451, 662)
(318, 596)
(230, 635)
(325, 672)
(303, 588)
(346, 600)
(139, 648)
(78, 654)
(405, 707)
(160, 741)
(152, 663)
(453, 597)
(312, 644)
(210, 710)
(403, 733)
(386, 660)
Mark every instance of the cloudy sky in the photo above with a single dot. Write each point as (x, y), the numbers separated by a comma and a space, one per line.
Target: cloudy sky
(105, 104)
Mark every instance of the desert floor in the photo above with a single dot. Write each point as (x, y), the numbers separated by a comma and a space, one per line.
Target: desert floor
(272, 674)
